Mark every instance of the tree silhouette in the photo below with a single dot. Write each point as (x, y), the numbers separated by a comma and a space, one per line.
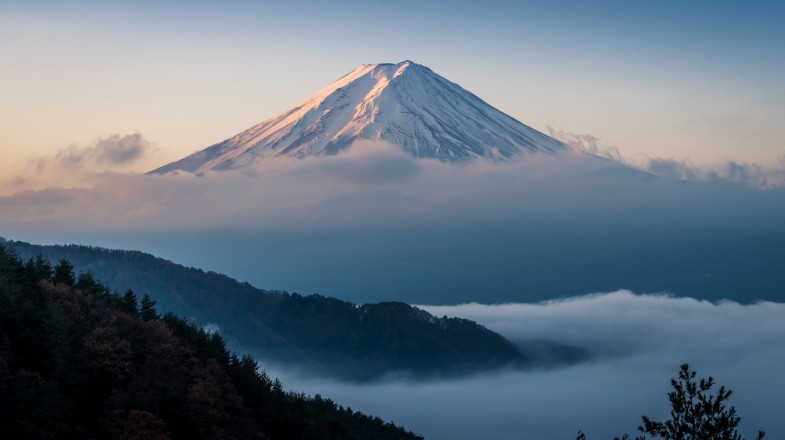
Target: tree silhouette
(147, 309)
(696, 414)
(129, 302)
(64, 273)
(43, 269)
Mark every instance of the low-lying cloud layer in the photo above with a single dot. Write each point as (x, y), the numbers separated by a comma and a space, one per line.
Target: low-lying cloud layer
(375, 223)
(377, 182)
(621, 324)
(639, 341)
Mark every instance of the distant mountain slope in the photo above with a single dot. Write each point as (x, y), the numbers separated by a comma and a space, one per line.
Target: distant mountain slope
(405, 104)
(77, 362)
(324, 335)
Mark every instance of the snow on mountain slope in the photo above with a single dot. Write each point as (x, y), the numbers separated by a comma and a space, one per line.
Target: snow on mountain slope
(405, 104)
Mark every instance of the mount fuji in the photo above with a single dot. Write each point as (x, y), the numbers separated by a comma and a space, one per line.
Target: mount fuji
(405, 104)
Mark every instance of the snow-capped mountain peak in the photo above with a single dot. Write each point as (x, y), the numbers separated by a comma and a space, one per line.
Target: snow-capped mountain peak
(405, 104)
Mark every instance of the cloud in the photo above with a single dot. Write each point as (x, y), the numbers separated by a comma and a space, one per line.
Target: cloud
(586, 142)
(365, 163)
(376, 224)
(115, 150)
(77, 165)
(670, 168)
(623, 324)
(17, 181)
(639, 342)
(371, 188)
(747, 173)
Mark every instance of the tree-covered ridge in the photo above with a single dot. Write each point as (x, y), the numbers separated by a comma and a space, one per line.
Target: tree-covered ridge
(325, 335)
(78, 360)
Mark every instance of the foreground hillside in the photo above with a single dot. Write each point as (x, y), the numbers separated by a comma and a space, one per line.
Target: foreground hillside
(77, 361)
(320, 334)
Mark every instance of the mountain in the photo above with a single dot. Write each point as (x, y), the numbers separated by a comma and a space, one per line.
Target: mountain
(78, 362)
(318, 334)
(405, 104)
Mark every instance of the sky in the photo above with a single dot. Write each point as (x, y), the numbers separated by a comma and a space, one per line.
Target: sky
(698, 83)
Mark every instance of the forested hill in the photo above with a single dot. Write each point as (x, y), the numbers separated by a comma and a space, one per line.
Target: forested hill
(325, 335)
(80, 362)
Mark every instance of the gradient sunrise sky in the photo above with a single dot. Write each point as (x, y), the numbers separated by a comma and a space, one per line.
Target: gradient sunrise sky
(696, 81)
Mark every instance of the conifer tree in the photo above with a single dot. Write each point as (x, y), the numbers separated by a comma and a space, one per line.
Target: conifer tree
(64, 273)
(696, 414)
(87, 282)
(147, 310)
(43, 268)
(129, 302)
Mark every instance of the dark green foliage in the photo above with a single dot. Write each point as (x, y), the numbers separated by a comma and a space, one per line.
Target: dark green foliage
(64, 273)
(76, 364)
(320, 333)
(385, 336)
(147, 309)
(42, 267)
(129, 302)
(696, 414)
(89, 284)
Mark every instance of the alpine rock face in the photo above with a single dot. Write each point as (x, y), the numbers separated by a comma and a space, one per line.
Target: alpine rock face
(405, 104)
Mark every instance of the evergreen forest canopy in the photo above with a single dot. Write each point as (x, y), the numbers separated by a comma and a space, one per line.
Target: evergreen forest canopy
(323, 335)
(78, 360)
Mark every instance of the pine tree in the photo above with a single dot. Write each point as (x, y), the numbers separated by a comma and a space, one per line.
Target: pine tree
(147, 311)
(129, 302)
(87, 283)
(64, 273)
(695, 413)
(43, 268)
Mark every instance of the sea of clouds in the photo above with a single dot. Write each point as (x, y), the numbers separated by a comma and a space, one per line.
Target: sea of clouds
(637, 343)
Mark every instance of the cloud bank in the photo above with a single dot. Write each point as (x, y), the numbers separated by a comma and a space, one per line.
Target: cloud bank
(621, 324)
(375, 181)
(375, 224)
(638, 340)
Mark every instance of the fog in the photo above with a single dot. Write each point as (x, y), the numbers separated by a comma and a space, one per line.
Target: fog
(376, 224)
(638, 343)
